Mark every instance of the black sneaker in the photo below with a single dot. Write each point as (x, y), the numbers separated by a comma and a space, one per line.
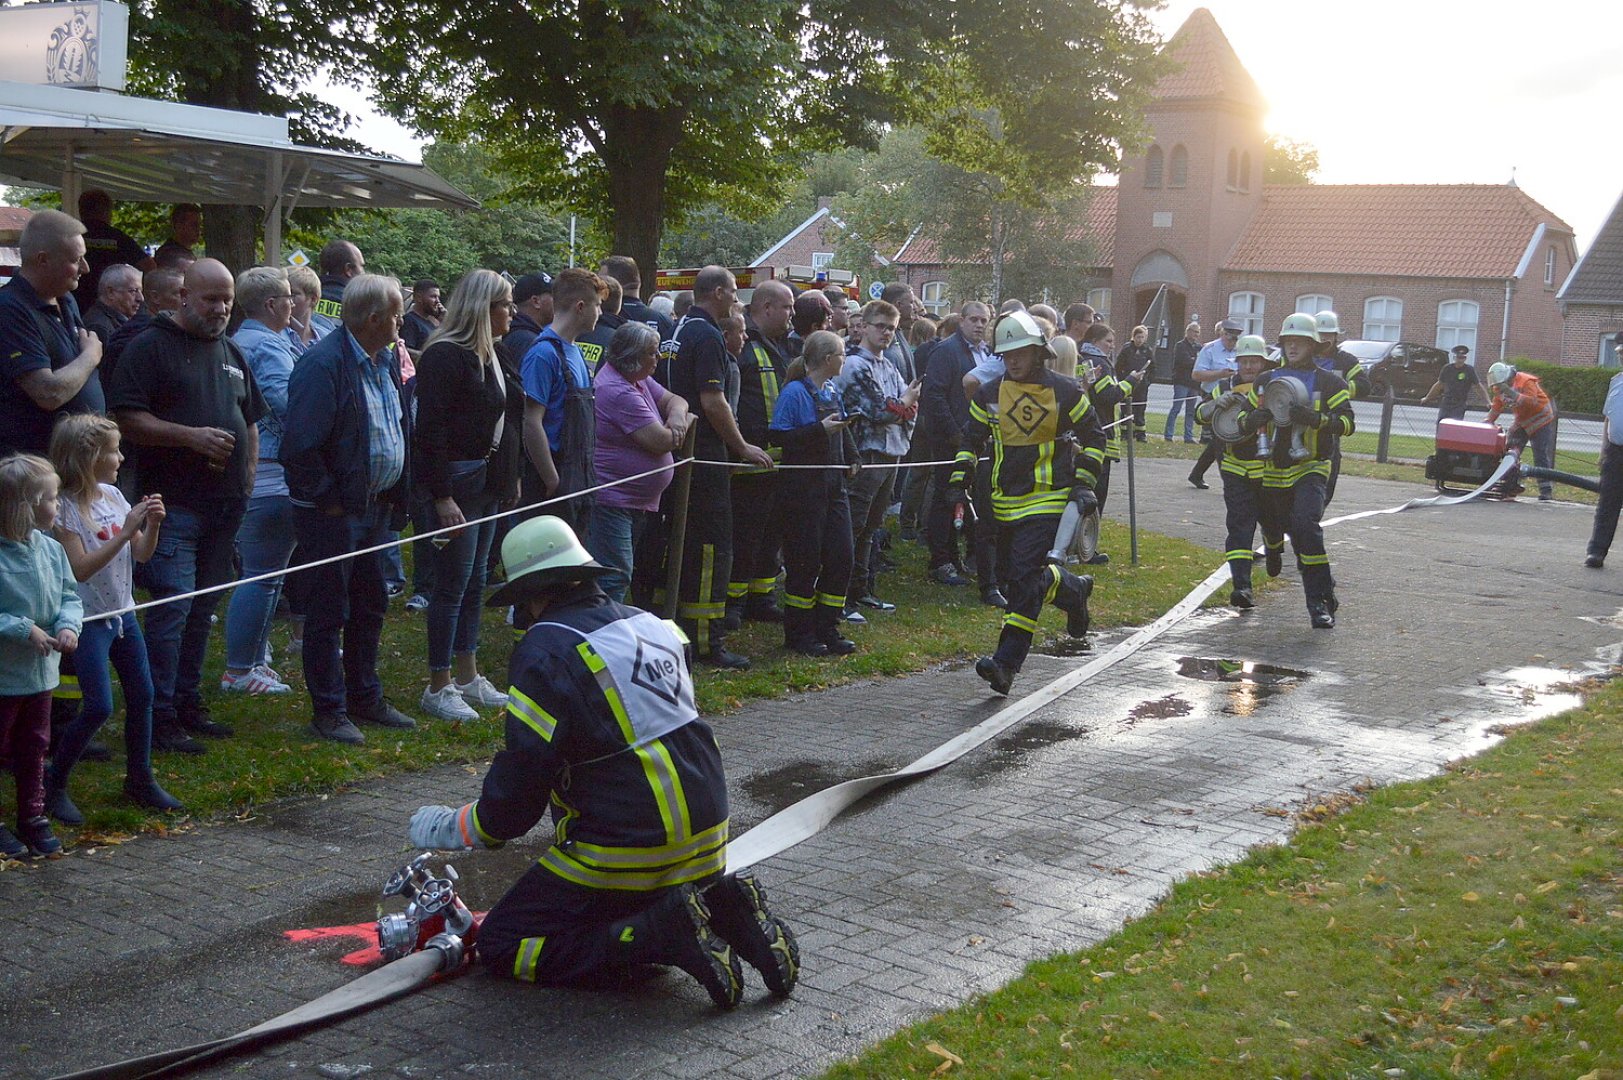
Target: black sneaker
(169, 735)
(873, 602)
(10, 846)
(993, 597)
(1198, 481)
(383, 715)
(996, 675)
(1595, 562)
(36, 833)
(59, 806)
(147, 793)
(338, 729)
(838, 644)
(1241, 598)
(738, 912)
(705, 955)
(1098, 558)
(197, 721)
(720, 657)
(947, 574)
(1322, 619)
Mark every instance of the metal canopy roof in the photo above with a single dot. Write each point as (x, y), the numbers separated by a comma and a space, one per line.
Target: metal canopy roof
(140, 150)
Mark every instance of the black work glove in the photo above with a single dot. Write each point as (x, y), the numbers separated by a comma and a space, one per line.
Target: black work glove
(1302, 416)
(1085, 499)
(1252, 422)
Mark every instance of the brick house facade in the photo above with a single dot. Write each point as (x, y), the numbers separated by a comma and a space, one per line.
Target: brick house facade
(1591, 298)
(1440, 264)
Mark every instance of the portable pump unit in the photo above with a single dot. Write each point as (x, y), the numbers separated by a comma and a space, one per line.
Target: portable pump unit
(1468, 453)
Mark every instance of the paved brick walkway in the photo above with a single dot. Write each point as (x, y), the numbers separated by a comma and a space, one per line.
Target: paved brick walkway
(1046, 839)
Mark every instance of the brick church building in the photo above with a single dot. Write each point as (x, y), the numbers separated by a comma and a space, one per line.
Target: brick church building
(1440, 264)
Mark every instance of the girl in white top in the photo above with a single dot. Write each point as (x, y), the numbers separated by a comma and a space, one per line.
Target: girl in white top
(101, 532)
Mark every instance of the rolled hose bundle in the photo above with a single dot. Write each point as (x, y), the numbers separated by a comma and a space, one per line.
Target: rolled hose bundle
(1588, 483)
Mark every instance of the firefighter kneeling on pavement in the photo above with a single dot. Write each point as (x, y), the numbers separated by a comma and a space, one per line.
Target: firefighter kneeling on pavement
(1297, 467)
(1241, 467)
(1036, 471)
(601, 726)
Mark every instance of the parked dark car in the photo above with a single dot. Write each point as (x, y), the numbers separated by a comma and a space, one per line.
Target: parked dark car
(1408, 367)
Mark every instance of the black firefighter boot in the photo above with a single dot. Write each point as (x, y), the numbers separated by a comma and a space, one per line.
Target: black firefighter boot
(799, 634)
(738, 912)
(827, 621)
(1321, 602)
(1240, 595)
(1073, 600)
(676, 930)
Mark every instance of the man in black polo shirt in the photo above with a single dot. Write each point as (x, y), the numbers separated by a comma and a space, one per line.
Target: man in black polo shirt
(424, 317)
(118, 297)
(340, 260)
(48, 359)
(532, 295)
(761, 368)
(1454, 385)
(623, 268)
(184, 394)
(105, 245)
(699, 372)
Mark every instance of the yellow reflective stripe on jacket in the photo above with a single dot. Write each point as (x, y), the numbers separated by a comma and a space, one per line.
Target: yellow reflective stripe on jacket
(1274, 477)
(559, 862)
(977, 411)
(648, 858)
(534, 716)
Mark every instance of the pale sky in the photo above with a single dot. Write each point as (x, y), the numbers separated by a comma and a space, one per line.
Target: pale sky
(1407, 91)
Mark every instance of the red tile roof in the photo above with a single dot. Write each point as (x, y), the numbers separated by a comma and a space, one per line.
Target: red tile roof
(1208, 66)
(14, 217)
(1098, 227)
(1391, 230)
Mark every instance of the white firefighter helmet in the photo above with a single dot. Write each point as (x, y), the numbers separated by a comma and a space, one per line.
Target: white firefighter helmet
(541, 553)
(1501, 373)
(1328, 322)
(1251, 345)
(1300, 324)
(1016, 330)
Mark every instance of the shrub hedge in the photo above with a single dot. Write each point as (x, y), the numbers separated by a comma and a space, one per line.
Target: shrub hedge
(1575, 389)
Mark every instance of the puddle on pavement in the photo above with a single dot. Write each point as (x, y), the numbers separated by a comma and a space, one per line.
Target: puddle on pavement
(1067, 646)
(1020, 745)
(786, 785)
(1161, 709)
(1541, 691)
(1250, 685)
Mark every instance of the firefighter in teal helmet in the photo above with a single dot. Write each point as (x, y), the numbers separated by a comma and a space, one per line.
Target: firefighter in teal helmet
(1047, 449)
(602, 729)
(1297, 467)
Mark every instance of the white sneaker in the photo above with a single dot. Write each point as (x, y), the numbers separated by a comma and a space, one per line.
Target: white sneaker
(481, 693)
(256, 680)
(446, 704)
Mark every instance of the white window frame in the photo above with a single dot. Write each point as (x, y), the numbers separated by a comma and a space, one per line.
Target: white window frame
(1099, 301)
(822, 260)
(933, 295)
(1249, 308)
(1549, 265)
(1381, 323)
(1457, 323)
(1155, 167)
(1608, 353)
(1313, 303)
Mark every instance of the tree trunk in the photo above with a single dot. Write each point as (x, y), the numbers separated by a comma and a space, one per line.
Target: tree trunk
(232, 234)
(637, 152)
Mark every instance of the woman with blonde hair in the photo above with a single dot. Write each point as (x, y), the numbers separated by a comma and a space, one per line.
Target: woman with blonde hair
(470, 409)
(1062, 361)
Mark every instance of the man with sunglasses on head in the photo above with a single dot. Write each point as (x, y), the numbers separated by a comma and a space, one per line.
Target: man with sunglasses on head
(1214, 367)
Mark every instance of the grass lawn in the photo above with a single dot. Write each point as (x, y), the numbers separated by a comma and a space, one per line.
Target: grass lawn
(1469, 925)
(274, 754)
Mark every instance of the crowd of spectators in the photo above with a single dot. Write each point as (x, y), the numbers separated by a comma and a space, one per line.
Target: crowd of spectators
(283, 417)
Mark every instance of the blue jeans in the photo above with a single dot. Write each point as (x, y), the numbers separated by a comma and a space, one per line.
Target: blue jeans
(194, 551)
(100, 643)
(458, 599)
(347, 603)
(265, 543)
(1185, 399)
(612, 540)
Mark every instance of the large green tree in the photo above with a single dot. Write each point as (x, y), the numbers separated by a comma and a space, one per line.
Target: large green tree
(637, 112)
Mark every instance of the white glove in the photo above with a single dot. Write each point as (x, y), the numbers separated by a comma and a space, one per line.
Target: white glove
(440, 828)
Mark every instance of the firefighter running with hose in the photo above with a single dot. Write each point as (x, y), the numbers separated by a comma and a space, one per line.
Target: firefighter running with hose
(602, 727)
(1026, 414)
(1241, 467)
(1297, 468)
(1532, 417)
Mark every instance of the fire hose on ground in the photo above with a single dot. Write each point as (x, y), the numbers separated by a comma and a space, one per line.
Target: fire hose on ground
(437, 923)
